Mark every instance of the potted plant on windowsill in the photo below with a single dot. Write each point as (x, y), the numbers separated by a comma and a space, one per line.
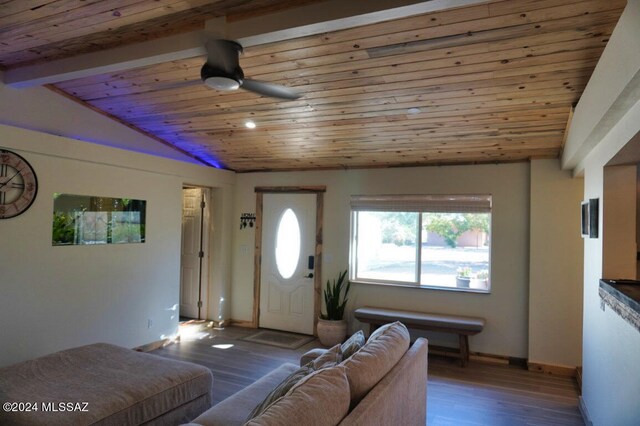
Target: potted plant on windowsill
(332, 328)
(464, 277)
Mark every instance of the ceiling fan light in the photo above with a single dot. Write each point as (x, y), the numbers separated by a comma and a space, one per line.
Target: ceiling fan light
(222, 83)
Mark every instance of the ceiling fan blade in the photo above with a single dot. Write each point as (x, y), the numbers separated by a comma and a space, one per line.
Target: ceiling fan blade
(223, 54)
(271, 90)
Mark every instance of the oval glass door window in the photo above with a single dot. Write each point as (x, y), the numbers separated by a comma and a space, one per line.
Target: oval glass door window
(288, 244)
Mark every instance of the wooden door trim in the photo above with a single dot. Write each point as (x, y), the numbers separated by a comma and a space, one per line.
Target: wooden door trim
(257, 257)
(317, 277)
(257, 262)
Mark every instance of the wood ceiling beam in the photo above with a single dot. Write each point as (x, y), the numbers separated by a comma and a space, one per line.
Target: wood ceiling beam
(181, 46)
(331, 15)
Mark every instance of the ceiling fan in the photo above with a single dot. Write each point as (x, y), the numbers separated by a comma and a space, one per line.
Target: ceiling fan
(222, 72)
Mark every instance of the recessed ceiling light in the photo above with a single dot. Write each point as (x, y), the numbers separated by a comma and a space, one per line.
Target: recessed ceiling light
(414, 111)
(250, 124)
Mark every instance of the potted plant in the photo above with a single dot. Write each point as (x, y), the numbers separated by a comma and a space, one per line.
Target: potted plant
(464, 277)
(332, 328)
(481, 279)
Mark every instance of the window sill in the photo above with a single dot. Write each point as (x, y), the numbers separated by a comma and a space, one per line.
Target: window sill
(422, 286)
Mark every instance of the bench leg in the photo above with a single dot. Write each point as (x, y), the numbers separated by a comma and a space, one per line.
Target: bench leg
(464, 349)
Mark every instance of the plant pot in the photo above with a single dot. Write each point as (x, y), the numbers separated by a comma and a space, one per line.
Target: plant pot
(479, 283)
(463, 282)
(330, 332)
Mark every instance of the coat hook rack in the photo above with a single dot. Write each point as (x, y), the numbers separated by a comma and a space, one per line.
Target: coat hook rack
(247, 219)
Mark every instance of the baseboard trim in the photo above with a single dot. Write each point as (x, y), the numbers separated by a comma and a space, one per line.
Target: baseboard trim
(491, 358)
(499, 359)
(478, 356)
(585, 413)
(153, 345)
(242, 323)
(555, 370)
(579, 378)
(444, 351)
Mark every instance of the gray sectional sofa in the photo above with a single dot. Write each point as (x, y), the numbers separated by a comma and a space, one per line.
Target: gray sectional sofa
(384, 383)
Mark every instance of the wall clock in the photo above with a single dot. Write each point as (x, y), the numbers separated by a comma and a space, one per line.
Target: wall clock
(18, 184)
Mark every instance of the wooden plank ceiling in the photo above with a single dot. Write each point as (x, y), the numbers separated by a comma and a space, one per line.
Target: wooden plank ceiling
(493, 82)
(33, 31)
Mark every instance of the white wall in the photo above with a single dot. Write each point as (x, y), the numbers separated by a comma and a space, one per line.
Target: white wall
(38, 108)
(505, 309)
(607, 116)
(53, 298)
(637, 220)
(611, 374)
(555, 266)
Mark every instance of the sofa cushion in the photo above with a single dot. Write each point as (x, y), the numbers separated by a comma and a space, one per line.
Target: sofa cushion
(281, 389)
(233, 411)
(353, 344)
(400, 398)
(348, 348)
(373, 361)
(311, 355)
(329, 358)
(320, 399)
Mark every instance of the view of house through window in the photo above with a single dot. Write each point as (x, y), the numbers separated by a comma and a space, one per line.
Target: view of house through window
(433, 241)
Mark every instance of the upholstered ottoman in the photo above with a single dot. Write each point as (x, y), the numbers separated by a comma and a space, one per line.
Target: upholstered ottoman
(104, 384)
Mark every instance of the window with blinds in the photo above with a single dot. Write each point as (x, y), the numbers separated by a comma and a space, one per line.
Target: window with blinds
(438, 241)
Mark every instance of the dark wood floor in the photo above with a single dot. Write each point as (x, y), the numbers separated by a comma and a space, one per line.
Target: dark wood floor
(493, 394)
(480, 394)
(233, 368)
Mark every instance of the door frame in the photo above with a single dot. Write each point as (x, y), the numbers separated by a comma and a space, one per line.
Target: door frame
(257, 257)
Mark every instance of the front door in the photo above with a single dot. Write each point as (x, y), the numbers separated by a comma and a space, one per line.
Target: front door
(286, 275)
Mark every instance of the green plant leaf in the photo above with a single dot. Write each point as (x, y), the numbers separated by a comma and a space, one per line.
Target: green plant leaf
(333, 294)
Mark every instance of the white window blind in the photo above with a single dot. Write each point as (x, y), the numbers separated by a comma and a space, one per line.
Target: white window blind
(422, 203)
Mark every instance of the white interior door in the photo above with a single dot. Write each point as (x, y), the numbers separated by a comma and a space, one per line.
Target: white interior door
(194, 243)
(286, 281)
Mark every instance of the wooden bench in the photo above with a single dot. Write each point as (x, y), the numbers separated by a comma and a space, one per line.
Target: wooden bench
(460, 325)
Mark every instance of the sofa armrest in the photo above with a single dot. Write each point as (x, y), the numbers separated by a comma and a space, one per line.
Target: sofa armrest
(311, 355)
(234, 410)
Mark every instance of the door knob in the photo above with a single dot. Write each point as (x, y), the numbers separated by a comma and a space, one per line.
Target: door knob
(309, 275)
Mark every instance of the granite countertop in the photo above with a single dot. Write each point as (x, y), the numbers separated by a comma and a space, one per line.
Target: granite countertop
(623, 296)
